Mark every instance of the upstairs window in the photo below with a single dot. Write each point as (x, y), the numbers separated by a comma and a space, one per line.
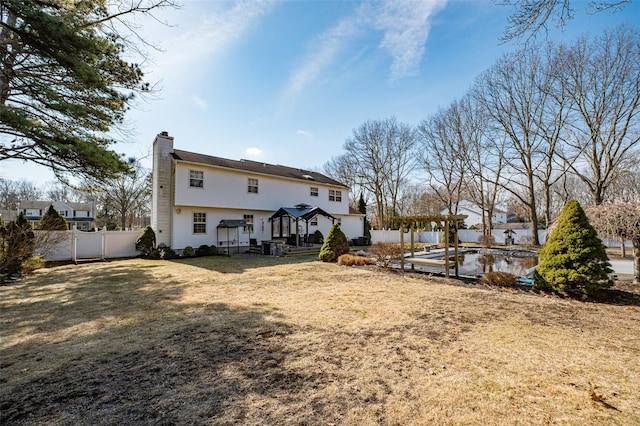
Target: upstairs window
(196, 178)
(199, 223)
(252, 185)
(314, 191)
(335, 196)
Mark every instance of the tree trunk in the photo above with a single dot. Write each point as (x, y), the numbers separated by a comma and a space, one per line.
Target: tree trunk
(623, 248)
(533, 212)
(636, 261)
(547, 205)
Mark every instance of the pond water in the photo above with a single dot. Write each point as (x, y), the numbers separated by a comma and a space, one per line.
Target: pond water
(490, 260)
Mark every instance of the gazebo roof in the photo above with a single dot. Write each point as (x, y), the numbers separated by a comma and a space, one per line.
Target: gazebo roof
(231, 223)
(301, 211)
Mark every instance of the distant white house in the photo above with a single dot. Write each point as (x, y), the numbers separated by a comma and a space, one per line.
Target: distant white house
(474, 214)
(200, 199)
(80, 215)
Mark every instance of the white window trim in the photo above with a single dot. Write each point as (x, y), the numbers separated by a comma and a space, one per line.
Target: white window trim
(256, 186)
(313, 193)
(196, 179)
(194, 223)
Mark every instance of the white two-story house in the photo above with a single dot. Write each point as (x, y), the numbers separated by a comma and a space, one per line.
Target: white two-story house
(80, 215)
(200, 199)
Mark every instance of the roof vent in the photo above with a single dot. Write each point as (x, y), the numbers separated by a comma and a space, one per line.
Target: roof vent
(309, 177)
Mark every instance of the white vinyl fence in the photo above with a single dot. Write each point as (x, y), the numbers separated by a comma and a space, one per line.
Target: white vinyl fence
(464, 236)
(77, 245)
(468, 236)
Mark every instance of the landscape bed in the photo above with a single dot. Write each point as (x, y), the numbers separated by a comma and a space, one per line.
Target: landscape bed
(220, 340)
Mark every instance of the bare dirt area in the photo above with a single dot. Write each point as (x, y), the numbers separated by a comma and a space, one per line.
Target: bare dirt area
(259, 341)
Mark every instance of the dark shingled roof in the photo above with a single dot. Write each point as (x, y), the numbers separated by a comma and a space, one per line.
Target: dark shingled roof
(256, 167)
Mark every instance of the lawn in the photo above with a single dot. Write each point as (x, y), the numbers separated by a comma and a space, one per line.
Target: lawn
(278, 341)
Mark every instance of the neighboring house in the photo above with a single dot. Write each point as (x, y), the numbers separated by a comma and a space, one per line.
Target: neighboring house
(200, 199)
(474, 214)
(80, 215)
(8, 215)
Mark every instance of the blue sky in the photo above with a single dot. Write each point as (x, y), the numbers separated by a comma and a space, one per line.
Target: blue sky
(287, 82)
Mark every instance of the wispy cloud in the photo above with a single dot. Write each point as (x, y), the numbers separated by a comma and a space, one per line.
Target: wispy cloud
(202, 37)
(253, 152)
(304, 133)
(404, 28)
(322, 51)
(199, 102)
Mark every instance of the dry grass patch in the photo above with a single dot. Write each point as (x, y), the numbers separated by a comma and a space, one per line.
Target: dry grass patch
(253, 341)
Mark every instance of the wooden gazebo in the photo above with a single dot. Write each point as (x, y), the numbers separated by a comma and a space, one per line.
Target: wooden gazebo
(445, 222)
(303, 212)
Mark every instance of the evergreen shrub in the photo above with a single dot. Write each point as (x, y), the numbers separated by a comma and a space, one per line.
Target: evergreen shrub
(335, 245)
(573, 259)
(52, 220)
(146, 242)
(203, 250)
(188, 251)
(167, 253)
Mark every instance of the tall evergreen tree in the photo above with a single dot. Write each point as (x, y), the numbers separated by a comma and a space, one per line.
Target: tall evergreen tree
(362, 208)
(65, 82)
(52, 220)
(573, 258)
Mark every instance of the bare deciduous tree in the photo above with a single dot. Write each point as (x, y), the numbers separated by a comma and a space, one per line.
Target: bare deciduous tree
(532, 16)
(603, 77)
(343, 170)
(444, 154)
(381, 154)
(14, 192)
(484, 156)
(517, 94)
(127, 196)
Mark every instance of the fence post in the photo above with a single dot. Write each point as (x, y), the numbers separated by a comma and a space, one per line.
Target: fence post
(103, 242)
(74, 244)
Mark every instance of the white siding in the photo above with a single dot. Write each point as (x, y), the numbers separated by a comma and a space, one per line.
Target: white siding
(183, 225)
(352, 226)
(228, 189)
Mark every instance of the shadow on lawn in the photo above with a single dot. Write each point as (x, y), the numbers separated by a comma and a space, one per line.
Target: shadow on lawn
(240, 264)
(194, 373)
(180, 364)
(77, 295)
